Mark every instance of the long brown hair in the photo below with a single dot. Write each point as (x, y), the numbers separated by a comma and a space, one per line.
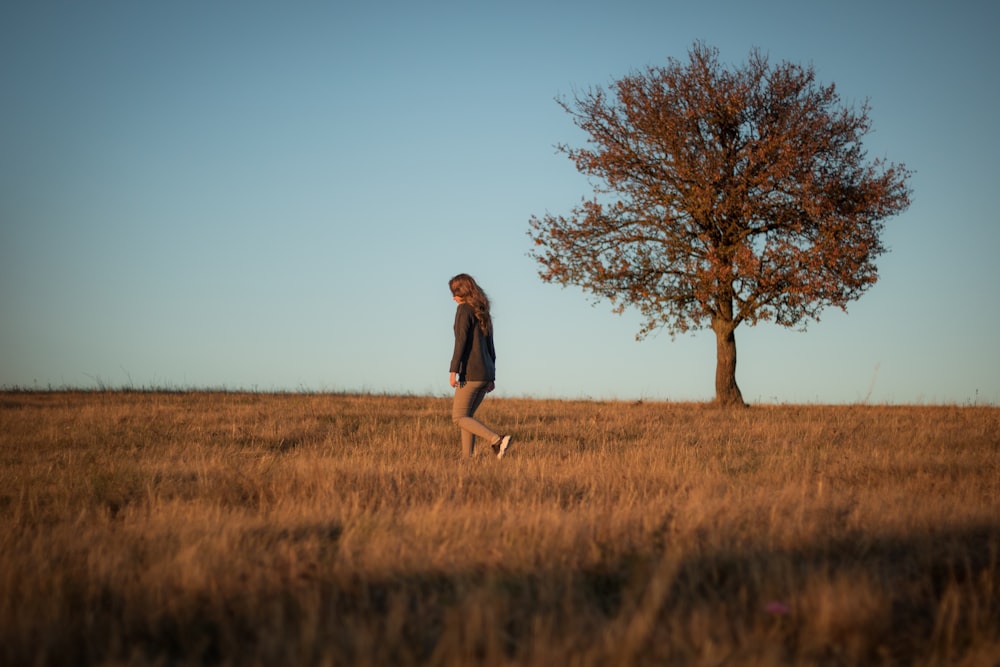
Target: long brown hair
(468, 290)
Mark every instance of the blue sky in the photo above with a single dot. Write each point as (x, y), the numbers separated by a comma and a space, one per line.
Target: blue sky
(272, 196)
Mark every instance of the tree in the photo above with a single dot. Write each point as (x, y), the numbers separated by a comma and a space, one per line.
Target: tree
(721, 196)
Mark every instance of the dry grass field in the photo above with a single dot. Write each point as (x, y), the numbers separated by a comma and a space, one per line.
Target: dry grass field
(174, 528)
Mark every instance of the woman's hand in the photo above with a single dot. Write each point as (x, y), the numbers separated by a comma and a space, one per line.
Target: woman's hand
(452, 380)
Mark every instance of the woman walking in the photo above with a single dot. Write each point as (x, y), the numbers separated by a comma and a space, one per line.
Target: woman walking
(473, 364)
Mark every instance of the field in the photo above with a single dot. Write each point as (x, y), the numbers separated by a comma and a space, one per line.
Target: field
(186, 528)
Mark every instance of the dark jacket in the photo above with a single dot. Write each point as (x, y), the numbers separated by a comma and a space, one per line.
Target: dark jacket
(474, 358)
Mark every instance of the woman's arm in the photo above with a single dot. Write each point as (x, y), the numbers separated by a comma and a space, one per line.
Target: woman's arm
(465, 321)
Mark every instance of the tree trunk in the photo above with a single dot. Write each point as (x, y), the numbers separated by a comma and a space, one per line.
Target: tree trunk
(727, 392)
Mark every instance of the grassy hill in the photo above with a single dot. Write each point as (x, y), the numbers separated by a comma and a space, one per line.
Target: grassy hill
(150, 528)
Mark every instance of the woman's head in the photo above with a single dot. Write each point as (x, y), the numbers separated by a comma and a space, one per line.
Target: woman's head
(464, 286)
(466, 290)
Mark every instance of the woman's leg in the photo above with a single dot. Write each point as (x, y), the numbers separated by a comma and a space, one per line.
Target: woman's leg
(467, 398)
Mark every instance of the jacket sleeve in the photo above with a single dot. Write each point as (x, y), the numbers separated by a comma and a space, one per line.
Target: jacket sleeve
(465, 321)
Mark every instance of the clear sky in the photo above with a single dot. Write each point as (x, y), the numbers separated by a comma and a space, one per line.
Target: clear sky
(273, 195)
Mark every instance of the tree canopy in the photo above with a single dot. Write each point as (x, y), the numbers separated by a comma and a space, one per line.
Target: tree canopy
(721, 196)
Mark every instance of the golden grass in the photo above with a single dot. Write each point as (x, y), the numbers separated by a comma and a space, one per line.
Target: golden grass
(222, 528)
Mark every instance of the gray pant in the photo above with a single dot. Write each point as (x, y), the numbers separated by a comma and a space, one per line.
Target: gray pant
(468, 396)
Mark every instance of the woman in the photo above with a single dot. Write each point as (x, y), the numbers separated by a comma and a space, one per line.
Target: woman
(473, 364)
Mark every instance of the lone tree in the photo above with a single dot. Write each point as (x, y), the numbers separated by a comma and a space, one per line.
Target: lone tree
(721, 196)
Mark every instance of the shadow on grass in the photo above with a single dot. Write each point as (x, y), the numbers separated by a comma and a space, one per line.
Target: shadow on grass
(935, 595)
